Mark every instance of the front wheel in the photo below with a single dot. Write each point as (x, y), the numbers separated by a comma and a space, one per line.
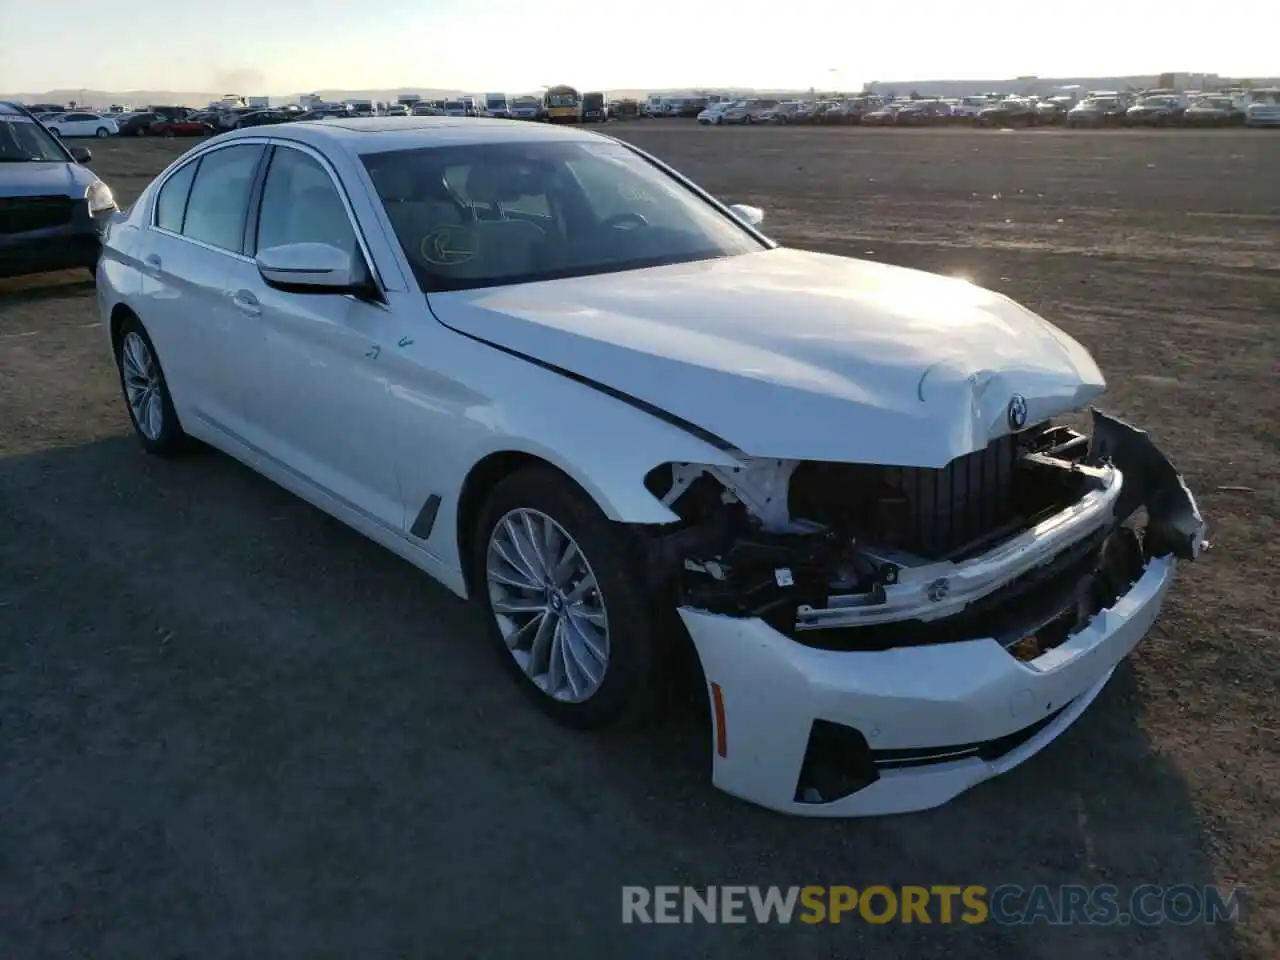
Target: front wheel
(146, 392)
(563, 591)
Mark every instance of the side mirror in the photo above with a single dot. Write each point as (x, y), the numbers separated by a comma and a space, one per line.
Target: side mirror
(751, 216)
(311, 268)
(81, 154)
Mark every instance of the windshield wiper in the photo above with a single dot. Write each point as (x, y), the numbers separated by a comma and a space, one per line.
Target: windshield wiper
(21, 159)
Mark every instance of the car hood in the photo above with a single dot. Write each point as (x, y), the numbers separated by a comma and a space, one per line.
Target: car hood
(784, 353)
(42, 179)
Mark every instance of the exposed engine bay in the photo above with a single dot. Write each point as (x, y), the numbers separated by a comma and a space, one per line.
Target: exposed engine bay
(1027, 538)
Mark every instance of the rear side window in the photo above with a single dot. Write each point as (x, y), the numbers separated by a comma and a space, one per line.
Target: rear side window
(220, 196)
(172, 202)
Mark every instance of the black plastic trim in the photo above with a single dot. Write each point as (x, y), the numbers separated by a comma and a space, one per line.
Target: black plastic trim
(426, 519)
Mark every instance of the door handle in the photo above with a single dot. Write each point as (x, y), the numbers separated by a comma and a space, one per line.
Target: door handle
(246, 303)
(151, 264)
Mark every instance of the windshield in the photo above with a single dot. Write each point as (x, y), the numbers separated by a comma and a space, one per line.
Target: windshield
(563, 100)
(494, 214)
(454, 105)
(496, 102)
(22, 138)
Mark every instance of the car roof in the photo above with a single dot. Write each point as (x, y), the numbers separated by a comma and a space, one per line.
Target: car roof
(380, 134)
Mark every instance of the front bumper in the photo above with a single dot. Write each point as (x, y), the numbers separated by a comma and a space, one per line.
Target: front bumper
(834, 733)
(77, 243)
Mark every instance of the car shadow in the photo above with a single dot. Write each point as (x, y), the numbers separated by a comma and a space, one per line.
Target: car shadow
(236, 727)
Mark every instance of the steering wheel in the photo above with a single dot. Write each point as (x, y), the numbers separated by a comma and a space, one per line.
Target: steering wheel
(619, 221)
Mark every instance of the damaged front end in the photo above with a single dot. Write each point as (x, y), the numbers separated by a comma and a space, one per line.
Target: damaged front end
(879, 639)
(1043, 527)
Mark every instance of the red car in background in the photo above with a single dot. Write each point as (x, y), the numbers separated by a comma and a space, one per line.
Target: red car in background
(189, 127)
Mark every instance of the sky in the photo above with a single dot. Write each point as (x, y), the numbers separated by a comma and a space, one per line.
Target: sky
(292, 46)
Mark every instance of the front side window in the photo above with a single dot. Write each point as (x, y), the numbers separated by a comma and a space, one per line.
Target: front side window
(220, 196)
(492, 214)
(300, 204)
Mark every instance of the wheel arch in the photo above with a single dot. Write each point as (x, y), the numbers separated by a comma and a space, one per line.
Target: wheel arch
(119, 313)
(484, 475)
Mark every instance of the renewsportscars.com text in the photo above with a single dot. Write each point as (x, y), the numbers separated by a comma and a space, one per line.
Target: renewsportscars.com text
(972, 904)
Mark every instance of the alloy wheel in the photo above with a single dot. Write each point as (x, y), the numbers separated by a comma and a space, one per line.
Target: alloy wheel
(141, 377)
(548, 605)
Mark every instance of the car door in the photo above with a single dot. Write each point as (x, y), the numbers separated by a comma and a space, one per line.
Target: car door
(192, 253)
(324, 404)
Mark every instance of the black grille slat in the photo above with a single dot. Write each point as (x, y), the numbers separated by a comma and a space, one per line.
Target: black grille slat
(960, 503)
(23, 214)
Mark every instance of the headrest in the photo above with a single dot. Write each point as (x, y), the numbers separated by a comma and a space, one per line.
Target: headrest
(506, 182)
(394, 181)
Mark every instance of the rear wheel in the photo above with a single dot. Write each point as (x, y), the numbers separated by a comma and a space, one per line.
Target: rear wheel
(102, 132)
(565, 599)
(55, 131)
(146, 392)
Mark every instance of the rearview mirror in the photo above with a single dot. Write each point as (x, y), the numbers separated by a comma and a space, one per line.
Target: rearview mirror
(311, 268)
(751, 216)
(81, 154)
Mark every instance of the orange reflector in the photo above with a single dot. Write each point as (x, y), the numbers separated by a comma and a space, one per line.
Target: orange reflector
(722, 738)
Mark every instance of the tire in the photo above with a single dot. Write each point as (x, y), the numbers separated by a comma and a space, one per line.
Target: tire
(132, 350)
(623, 689)
(55, 131)
(102, 132)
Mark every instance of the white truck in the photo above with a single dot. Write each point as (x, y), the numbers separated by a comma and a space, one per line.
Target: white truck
(495, 105)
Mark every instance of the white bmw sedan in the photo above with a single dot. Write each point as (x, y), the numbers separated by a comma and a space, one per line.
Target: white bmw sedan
(567, 383)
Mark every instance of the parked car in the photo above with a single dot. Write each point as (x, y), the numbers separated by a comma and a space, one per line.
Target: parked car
(916, 113)
(1211, 111)
(52, 207)
(966, 109)
(137, 124)
(784, 112)
(1264, 111)
(820, 582)
(714, 113)
(747, 111)
(1009, 112)
(884, 115)
(1097, 112)
(1158, 111)
(1053, 110)
(260, 118)
(80, 124)
(852, 111)
(526, 108)
(190, 127)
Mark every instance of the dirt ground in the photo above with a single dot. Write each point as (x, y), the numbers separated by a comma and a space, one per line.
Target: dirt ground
(229, 727)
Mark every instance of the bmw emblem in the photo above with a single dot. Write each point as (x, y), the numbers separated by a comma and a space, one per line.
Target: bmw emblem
(1017, 412)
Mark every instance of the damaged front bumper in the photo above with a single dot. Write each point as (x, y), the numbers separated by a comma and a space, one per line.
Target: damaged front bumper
(856, 732)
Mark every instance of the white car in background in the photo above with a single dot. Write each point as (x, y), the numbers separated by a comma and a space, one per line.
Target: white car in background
(747, 111)
(570, 385)
(714, 113)
(77, 123)
(1264, 111)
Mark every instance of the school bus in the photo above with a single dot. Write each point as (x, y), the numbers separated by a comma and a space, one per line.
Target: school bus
(561, 104)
